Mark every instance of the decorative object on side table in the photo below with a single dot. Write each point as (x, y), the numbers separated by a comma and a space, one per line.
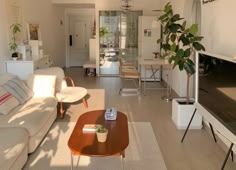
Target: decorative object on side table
(15, 28)
(179, 44)
(101, 133)
(110, 114)
(155, 54)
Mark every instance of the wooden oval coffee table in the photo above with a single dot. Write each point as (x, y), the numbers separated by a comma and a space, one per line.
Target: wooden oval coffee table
(86, 143)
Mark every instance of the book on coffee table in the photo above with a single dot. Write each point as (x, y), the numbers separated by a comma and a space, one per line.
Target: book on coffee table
(88, 128)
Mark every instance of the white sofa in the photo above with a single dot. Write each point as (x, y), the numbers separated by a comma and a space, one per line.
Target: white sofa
(25, 125)
(13, 148)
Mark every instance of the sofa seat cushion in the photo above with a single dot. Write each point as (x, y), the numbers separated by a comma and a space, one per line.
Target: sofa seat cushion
(32, 115)
(12, 144)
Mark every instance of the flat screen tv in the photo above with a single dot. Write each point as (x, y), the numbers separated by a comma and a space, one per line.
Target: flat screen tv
(216, 77)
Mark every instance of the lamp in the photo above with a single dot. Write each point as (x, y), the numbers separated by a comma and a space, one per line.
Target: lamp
(125, 5)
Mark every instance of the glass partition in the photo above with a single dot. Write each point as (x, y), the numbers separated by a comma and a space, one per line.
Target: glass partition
(118, 32)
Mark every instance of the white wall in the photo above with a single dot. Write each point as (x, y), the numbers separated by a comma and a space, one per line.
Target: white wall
(72, 1)
(4, 52)
(39, 12)
(43, 12)
(218, 27)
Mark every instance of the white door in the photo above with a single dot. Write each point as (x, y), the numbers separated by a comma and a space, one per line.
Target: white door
(78, 40)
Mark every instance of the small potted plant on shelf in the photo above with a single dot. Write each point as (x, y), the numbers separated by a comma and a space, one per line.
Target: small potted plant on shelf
(15, 28)
(179, 43)
(101, 133)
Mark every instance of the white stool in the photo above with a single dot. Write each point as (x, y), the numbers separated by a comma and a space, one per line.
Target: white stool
(89, 65)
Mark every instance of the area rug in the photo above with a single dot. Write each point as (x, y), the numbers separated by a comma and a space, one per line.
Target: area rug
(142, 153)
(95, 100)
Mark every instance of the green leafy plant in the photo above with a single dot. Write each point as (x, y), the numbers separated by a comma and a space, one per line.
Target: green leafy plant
(179, 42)
(101, 129)
(103, 31)
(15, 28)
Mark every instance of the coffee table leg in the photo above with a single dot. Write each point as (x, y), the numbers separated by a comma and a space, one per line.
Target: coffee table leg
(71, 159)
(122, 155)
(122, 163)
(78, 161)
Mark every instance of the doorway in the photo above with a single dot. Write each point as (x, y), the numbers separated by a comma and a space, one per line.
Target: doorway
(118, 32)
(79, 29)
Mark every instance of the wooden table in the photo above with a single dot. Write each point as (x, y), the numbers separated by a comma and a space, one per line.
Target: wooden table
(86, 143)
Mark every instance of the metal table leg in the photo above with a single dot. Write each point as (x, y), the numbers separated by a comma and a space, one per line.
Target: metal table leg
(144, 86)
(122, 162)
(213, 133)
(71, 159)
(122, 155)
(227, 156)
(168, 98)
(188, 125)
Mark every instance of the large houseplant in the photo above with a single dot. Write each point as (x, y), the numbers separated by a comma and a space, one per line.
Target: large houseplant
(179, 43)
(15, 28)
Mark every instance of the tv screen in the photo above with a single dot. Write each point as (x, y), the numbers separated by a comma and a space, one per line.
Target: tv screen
(217, 89)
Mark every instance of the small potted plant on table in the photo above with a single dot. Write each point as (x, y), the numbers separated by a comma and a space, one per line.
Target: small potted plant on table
(15, 28)
(101, 133)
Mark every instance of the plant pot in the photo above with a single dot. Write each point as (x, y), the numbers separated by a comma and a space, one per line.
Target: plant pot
(182, 113)
(102, 136)
(14, 56)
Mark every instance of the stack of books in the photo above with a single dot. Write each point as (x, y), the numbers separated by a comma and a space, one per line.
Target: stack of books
(90, 128)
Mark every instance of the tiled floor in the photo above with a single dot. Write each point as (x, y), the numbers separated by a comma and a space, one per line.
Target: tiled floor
(198, 152)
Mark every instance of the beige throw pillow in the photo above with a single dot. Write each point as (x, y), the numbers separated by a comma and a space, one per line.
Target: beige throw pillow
(44, 85)
(18, 89)
(7, 101)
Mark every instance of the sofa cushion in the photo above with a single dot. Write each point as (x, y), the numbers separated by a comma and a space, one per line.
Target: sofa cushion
(7, 101)
(56, 71)
(18, 89)
(44, 85)
(12, 144)
(31, 116)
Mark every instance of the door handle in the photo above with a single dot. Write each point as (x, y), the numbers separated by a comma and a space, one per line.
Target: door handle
(70, 40)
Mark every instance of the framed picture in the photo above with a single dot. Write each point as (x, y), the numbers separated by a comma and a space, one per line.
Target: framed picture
(33, 31)
(147, 32)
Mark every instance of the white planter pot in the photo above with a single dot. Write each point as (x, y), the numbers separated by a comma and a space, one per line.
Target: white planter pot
(182, 113)
(102, 137)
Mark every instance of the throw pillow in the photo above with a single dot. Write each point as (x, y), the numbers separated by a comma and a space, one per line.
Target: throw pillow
(7, 101)
(18, 89)
(44, 85)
